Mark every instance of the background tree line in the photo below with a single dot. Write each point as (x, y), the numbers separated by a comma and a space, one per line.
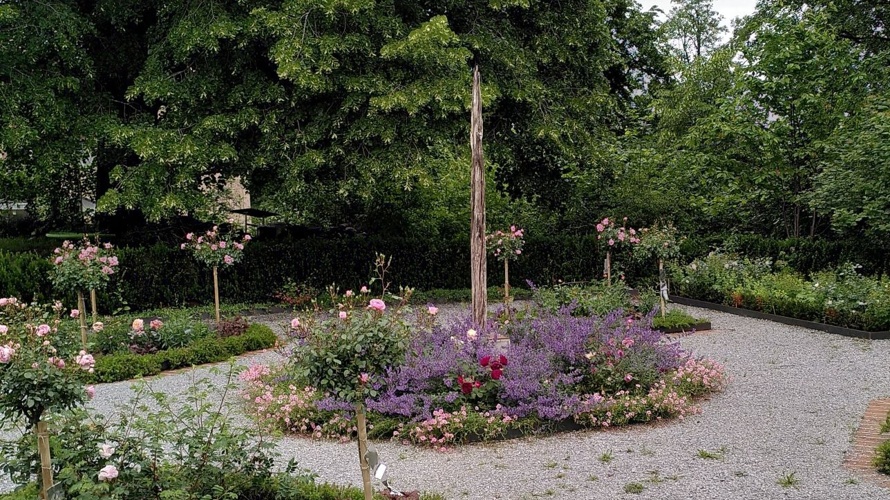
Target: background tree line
(356, 112)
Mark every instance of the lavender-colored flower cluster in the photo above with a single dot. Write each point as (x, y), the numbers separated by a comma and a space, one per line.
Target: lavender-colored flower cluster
(555, 360)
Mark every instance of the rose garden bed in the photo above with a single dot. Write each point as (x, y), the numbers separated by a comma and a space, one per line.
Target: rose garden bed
(443, 385)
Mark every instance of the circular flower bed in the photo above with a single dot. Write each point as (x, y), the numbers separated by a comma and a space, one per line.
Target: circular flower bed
(454, 384)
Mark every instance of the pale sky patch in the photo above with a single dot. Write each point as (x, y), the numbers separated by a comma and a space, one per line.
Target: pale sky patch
(729, 9)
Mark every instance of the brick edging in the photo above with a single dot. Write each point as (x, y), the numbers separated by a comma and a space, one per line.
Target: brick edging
(860, 457)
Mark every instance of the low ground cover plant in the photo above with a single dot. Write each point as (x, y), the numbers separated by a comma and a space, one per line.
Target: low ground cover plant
(446, 384)
(840, 297)
(160, 447)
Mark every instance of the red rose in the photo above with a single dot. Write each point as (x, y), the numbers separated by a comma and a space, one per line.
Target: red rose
(496, 374)
(503, 359)
(496, 365)
(485, 360)
(466, 387)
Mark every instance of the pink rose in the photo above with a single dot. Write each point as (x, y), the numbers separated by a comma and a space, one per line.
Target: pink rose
(228, 260)
(4, 302)
(58, 260)
(611, 242)
(377, 305)
(239, 246)
(247, 237)
(108, 473)
(213, 247)
(138, 325)
(628, 377)
(433, 310)
(518, 251)
(364, 378)
(349, 293)
(3, 329)
(43, 330)
(85, 361)
(600, 228)
(189, 236)
(156, 324)
(222, 244)
(364, 289)
(295, 323)
(343, 315)
(91, 391)
(106, 450)
(75, 313)
(6, 354)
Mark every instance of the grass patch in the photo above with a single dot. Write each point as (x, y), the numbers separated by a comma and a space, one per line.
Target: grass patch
(634, 488)
(676, 318)
(788, 480)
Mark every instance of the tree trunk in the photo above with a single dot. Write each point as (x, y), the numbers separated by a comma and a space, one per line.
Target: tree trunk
(478, 269)
(363, 450)
(216, 293)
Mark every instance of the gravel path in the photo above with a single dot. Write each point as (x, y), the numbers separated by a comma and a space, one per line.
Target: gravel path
(795, 398)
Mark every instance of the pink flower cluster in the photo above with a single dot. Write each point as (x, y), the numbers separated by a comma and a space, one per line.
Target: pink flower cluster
(212, 249)
(699, 376)
(85, 361)
(612, 234)
(438, 431)
(506, 245)
(6, 353)
(89, 256)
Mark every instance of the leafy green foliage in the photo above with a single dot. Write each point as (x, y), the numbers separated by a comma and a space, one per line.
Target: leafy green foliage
(349, 354)
(125, 366)
(675, 318)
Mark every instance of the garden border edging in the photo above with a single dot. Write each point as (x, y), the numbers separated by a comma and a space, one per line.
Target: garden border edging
(837, 330)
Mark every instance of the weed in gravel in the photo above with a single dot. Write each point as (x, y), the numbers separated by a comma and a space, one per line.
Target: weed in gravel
(788, 480)
(635, 488)
(593, 477)
(851, 480)
(607, 457)
(550, 464)
(712, 455)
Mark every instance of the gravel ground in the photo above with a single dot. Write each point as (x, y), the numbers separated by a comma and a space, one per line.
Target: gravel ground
(795, 398)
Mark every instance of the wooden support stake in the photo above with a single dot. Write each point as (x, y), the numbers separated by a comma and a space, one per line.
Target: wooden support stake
(216, 293)
(363, 450)
(478, 269)
(46, 464)
(608, 267)
(81, 308)
(93, 303)
(662, 286)
(506, 282)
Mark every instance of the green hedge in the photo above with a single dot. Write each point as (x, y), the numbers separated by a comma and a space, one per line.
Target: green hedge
(125, 366)
(161, 275)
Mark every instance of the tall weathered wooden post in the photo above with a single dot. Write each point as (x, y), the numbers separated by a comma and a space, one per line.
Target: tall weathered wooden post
(478, 268)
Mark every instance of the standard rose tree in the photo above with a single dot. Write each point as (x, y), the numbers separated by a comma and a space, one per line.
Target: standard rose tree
(348, 355)
(215, 251)
(506, 246)
(41, 370)
(613, 238)
(78, 268)
(659, 242)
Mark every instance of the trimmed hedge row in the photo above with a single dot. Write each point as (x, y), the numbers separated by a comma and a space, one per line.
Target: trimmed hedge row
(160, 275)
(125, 366)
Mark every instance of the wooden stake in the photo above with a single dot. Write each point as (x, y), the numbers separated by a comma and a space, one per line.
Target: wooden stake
(363, 450)
(46, 464)
(506, 282)
(81, 307)
(93, 303)
(608, 268)
(478, 270)
(216, 293)
(662, 286)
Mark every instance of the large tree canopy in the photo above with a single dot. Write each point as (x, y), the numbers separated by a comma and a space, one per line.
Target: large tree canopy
(345, 110)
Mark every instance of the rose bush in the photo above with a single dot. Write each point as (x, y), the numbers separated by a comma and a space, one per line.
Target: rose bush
(87, 266)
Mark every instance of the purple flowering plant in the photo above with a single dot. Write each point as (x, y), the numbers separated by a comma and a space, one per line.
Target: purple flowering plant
(453, 381)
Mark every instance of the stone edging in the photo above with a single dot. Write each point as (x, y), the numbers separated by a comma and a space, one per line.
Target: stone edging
(859, 458)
